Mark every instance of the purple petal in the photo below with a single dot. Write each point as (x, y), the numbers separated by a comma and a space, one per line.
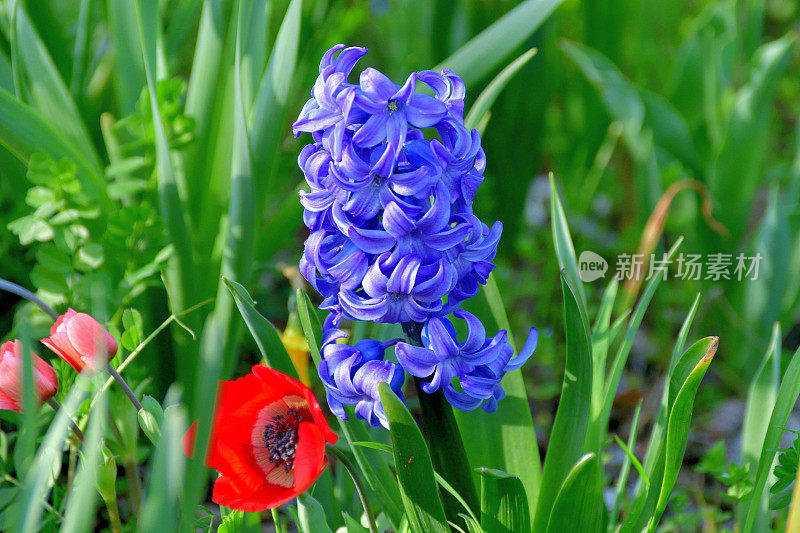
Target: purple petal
(424, 111)
(372, 132)
(403, 276)
(372, 241)
(476, 335)
(376, 85)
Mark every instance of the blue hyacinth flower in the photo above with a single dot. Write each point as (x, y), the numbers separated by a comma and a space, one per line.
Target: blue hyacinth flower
(477, 365)
(351, 375)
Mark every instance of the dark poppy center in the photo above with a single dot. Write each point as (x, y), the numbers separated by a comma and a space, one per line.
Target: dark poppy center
(280, 438)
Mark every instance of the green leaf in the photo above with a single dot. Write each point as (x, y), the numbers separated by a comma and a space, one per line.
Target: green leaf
(271, 100)
(24, 133)
(310, 323)
(504, 504)
(414, 467)
(150, 418)
(34, 487)
(133, 325)
(82, 499)
(48, 93)
(735, 172)
(311, 515)
(486, 99)
(160, 510)
(265, 334)
(129, 74)
(619, 95)
(515, 450)
(562, 241)
(600, 425)
(352, 525)
(579, 504)
(655, 446)
(787, 397)
(689, 372)
(484, 52)
(569, 427)
(181, 282)
(761, 398)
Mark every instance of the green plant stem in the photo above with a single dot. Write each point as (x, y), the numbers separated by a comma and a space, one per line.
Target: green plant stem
(444, 440)
(28, 295)
(345, 462)
(14, 481)
(276, 520)
(75, 429)
(113, 515)
(122, 383)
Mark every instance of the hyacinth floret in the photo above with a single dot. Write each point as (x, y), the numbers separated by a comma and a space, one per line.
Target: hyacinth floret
(477, 364)
(351, 374)
(391, 176)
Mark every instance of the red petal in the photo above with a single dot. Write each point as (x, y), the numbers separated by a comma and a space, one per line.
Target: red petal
(319, 418)
(309, 459)
(238, 464)
(270, 497)
(69, 314)
(60, 345)
(8, 403)
(245, 396)
(89, 338)
(212, 454)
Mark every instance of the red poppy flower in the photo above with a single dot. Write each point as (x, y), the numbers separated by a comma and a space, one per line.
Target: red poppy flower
(267, 440)
(81, 340)
(45, 381)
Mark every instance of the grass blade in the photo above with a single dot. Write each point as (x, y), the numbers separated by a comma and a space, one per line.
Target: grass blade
(48, 93)
(562, 241)
(680, 415)
(787, 397)
(760, 400)
(567, 437)
(484, 102)
(160, 510)
(270, 104)
(266, 336)
(579, 505)
(414, 468)
(129, 75)
(82, 499)
(488, 49)
(34, 488)
(181, 278)
(600, 425)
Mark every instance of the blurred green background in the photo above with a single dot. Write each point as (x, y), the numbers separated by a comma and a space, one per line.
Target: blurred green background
(688, 109)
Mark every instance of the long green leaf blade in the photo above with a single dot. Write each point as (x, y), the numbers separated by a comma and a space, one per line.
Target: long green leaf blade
(504, 504)
(579, 505)
(489, 48)
(567, 437)
(414, 468)
(265, 334)
(680, 416)
(785, 402)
